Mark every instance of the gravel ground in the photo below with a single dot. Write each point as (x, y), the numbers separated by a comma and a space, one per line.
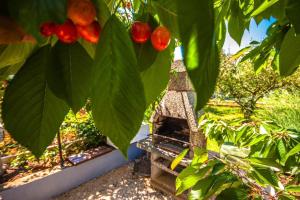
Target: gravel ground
(118, 184)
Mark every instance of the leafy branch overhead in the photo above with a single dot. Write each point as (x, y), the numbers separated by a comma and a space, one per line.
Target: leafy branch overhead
(118, 54)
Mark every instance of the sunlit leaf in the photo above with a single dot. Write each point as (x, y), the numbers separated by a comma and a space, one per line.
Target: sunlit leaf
(199, 46)
(292, 12)
(32, 114)
(15, 53)
(69, 76)
(156, 77)
(118, 101)
(168, 15)
(265, 5)
(289, 57)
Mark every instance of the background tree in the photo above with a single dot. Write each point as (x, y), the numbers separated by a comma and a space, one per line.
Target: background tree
(240, 82)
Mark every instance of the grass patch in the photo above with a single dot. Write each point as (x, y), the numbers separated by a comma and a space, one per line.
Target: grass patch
(223, 113)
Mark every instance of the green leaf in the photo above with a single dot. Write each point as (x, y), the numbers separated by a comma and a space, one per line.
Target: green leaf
(201, 188)
(292, 188)
(265, 162)
(200, 156)
(286, 197)
(9, 70)
(289, 56)
(281, 148)
(292, 10)
(189, 177)
(118, 101)
(236, 23)
(145, 53)
(178, 159)
(166, 10)
(228, 149)
(264, 6)
(221, 34)
(293, 151)
(218, 168)
(266, 176)
(222, 182)
(31, 112)
(233, 193)
(69, 75)
(30, 14)
(103, 13)
(90, 48)
(110, 4)
(15, 53)
(156, 77)
(200, 50)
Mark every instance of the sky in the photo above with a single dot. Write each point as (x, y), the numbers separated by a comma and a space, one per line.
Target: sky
(256, 32)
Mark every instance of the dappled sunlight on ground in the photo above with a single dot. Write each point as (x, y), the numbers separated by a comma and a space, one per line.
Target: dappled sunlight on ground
(118, 184)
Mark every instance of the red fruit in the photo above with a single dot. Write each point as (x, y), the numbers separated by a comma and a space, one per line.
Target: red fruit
(140, 32)
(160, 38)
(66, 32)
(82, 12)
(47, 29)
(90, 32)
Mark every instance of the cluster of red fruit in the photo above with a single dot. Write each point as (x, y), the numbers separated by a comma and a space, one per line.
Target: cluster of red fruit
(80, 23)
(160, 37)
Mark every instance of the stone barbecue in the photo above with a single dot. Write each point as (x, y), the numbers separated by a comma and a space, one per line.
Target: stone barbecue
(174, 129)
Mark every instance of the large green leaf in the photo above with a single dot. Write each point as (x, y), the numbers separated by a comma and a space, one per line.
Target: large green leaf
(233, 193)
(222, 182)
(190, 177)
(178, 159)
(236, 23)
(145, 53)
(292, 10)
(196, 26)
(31, 112)
(5, 72)
(156, 78)
(264, 6)
(30, 14)
(69, 76)
(293, 151)
(200, 156)
(285, 196)
(15, 53)
(265, 176)
(103, 12)
(293, 188)
(89, 47)
(265, 162)
(289, 57)
(118, 101)
(166, 10)
(201, 188)
(281, 148)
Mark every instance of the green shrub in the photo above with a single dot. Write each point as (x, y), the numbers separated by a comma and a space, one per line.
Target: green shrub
(90, 134)
(283, 108)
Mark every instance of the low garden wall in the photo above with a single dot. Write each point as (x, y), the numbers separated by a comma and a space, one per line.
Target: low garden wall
(71, 177)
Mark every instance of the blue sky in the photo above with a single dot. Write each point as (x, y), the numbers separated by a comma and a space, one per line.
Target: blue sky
(256, 32)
